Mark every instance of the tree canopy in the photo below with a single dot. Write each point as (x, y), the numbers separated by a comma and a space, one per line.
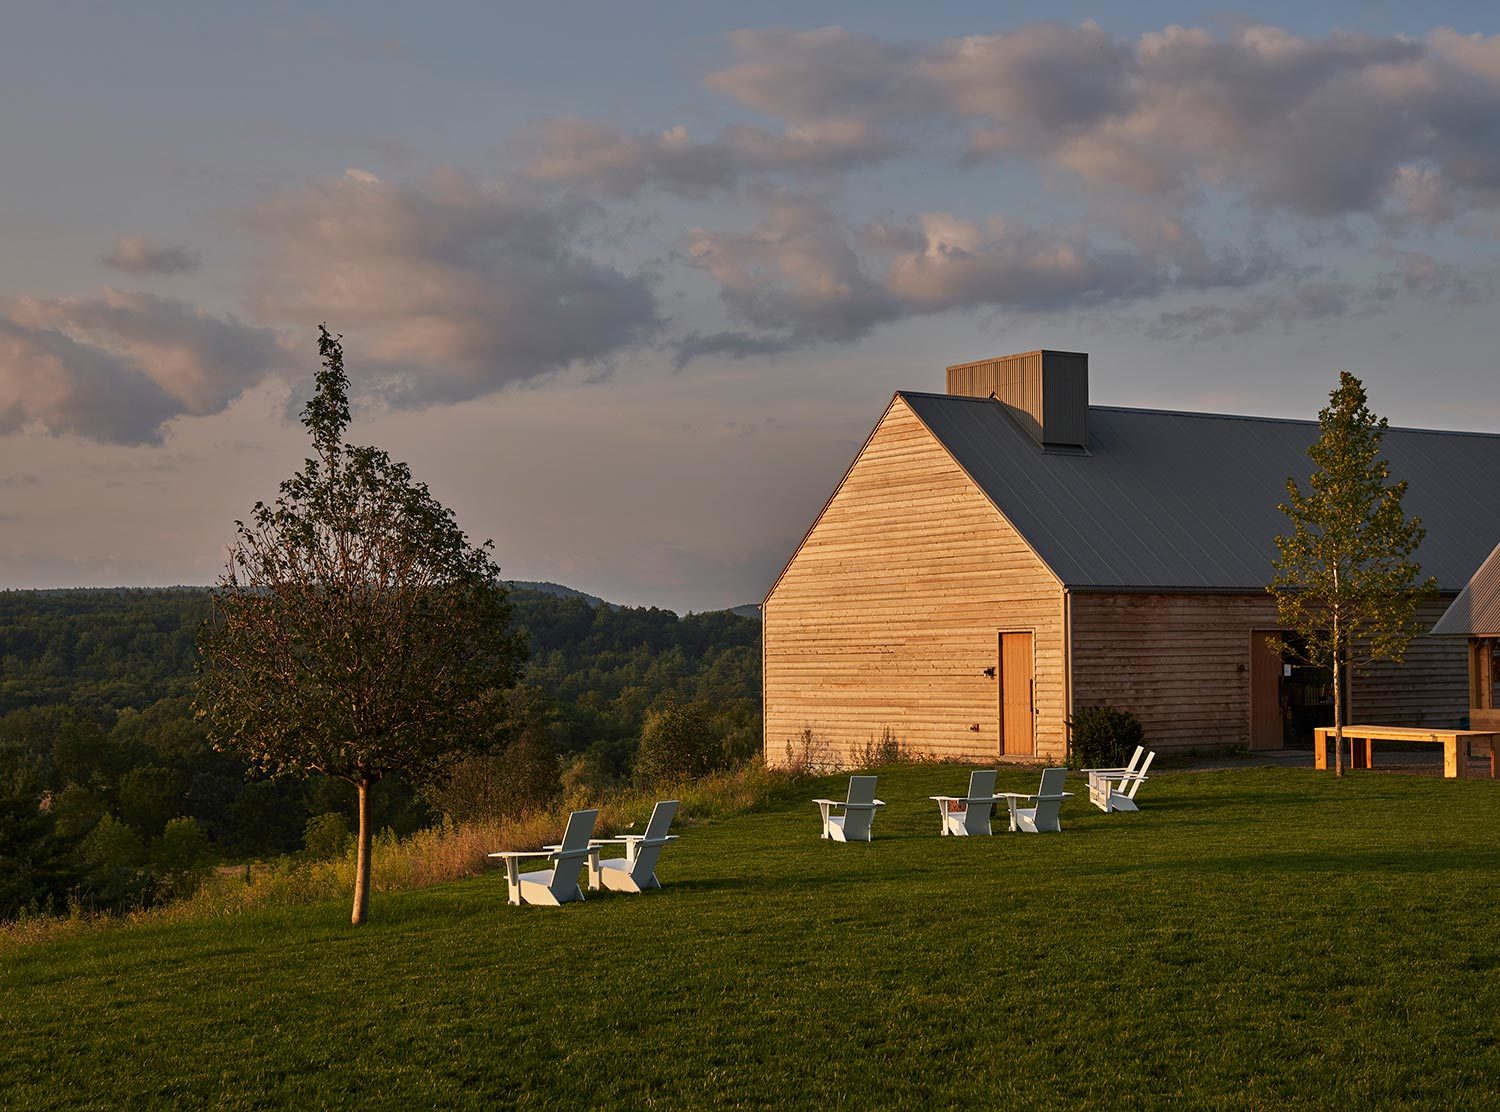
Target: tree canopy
(356, 632)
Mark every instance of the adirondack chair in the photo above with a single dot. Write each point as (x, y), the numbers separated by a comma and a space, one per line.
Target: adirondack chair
(969, 814)
(859, 812)
(1110, 791)
(559, 884)
(1042, 817)
(1140, 751)
(635, 872)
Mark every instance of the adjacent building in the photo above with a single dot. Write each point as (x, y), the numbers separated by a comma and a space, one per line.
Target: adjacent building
(1475, 614)
(1004, 553)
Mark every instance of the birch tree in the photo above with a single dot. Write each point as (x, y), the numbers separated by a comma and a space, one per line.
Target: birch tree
(355, 631)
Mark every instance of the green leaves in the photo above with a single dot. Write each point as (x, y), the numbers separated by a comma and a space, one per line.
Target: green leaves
(1344, 578)
(356, 628)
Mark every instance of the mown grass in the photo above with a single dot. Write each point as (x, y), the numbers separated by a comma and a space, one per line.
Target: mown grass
(1252, 939)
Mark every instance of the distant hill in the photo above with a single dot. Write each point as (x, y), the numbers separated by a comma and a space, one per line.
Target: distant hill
(750, 610)
(560, 591)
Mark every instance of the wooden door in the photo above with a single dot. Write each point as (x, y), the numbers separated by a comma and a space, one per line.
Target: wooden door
(1017, 696)
(1267, 717)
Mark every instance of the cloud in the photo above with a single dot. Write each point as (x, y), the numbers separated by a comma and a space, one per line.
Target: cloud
(137, 255)
(454, 289)
(1322, 127)
(606, 161)
(800, 276)
(1309, 302)
(116, 368)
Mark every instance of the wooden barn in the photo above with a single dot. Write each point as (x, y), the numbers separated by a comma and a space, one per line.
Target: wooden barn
(1001, 554)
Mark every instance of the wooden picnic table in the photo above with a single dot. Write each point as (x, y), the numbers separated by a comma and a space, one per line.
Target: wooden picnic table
(1457, 745)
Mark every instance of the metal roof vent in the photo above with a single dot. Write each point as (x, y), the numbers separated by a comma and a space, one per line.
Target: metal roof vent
(1046, 391)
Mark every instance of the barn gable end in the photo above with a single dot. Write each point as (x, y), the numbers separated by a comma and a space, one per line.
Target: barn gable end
(889, 615)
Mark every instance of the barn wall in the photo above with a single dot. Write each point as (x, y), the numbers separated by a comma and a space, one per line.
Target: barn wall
(1181, 664)
(889, 613)
(1430, 688)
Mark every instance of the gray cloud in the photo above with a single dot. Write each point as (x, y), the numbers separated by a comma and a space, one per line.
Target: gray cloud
(1308, 302)
(117, 367)
(609, 162)
(137, 255)
(800, 276)
(454, 289)
(1389, 126)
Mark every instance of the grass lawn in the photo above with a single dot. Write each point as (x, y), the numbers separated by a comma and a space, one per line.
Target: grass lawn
(1250, 939)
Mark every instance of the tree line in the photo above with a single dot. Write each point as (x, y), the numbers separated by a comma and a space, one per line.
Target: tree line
(108, 776)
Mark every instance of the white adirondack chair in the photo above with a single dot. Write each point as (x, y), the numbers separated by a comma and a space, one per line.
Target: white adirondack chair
(559, 884)
(636, 871)
(859, 812)
(1135, 760)
(969, 814)
(1042, 817)
(1111, 791)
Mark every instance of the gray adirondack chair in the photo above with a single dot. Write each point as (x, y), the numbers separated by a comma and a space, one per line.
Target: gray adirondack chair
(1042, 816)
(970, 814)
(559, 884)
(859, 812)
(636, 871)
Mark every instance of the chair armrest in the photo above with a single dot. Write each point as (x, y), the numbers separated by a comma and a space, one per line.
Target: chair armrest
(948, 798)
(519, 853)
(830, 802)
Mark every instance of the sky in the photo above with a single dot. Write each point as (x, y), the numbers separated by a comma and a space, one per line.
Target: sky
(628, 285)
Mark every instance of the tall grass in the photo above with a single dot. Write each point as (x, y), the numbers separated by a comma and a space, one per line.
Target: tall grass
(449, 851)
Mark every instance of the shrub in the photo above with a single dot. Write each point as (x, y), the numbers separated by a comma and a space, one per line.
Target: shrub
(883, 750)
(326, 837)
(1103, 737)
(525, 777)
(677, 743)
(181, 857)
(112, 856)
(810, 754)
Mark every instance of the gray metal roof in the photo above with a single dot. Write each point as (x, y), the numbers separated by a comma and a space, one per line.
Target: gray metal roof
(1476, 610)
(1188, 501)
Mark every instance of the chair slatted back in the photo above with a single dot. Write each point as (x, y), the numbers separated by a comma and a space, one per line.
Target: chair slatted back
(859, 810)
(1049, 799)
(568, 857)
(648, 849)
(1135, 781)
(977, 815)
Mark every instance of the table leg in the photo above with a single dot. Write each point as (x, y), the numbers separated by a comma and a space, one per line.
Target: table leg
(1320, 749)
(1452, 762)
(1369, 753)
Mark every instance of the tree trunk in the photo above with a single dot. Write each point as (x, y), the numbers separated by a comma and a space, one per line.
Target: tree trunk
(362, 862)
(1338, 710)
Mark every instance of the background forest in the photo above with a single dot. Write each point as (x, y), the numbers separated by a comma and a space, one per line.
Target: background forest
(106, 776)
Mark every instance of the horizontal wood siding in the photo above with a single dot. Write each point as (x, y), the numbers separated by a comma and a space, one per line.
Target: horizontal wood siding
(1181, 664)
(1431, 687)
(889, 614)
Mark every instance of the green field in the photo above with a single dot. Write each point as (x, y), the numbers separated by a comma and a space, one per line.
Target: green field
(1251, 939)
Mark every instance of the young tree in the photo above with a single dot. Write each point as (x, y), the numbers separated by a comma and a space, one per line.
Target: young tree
(1344, 578)
(355, 632)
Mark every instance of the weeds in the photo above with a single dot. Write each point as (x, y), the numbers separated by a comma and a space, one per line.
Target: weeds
(450, 851)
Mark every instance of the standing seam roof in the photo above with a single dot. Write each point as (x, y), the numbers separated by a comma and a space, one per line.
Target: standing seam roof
(1188, 501)
(1476, 610)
